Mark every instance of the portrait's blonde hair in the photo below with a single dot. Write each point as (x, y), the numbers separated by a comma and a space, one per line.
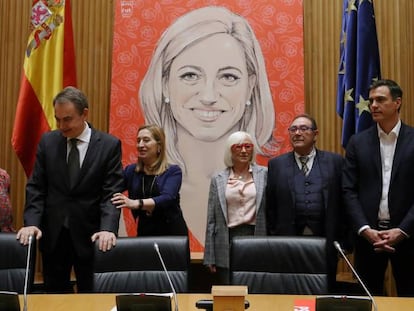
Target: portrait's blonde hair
(189, 29)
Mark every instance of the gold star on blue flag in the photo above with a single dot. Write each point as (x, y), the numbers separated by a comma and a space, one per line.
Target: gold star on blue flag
(359, 66)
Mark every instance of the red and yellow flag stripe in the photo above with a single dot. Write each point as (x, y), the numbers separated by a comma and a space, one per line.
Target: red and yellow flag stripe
(49, 66)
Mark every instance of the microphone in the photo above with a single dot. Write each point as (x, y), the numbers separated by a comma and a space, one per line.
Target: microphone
(26, 276)
(168, 276)
(339, 248)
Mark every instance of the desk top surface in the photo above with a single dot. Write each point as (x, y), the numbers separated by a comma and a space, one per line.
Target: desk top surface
(102, 302)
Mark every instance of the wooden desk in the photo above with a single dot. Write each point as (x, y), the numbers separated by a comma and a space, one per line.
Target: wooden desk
(104, 302)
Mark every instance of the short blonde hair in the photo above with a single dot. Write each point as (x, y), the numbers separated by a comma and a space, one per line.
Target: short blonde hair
(237, 138)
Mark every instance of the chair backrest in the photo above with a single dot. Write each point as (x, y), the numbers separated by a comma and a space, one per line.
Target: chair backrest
(13, 259)
(279, 264)
(133, 266)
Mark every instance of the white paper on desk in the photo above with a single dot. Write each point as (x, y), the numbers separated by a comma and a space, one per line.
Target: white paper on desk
(144, 294)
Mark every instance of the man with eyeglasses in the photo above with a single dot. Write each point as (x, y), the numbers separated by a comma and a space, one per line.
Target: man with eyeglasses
(378, 192)
(303, 194)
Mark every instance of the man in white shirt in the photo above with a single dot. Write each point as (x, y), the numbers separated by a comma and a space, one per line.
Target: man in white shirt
(378, 194)
(68, 196)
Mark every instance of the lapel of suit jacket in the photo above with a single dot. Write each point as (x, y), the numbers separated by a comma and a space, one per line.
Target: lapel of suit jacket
(258, 182)
(91, 152)
(221, 190)
(62, 160)
(324, 169)
(290, 176)
(374, 145)
(259, 185)
(402, 141)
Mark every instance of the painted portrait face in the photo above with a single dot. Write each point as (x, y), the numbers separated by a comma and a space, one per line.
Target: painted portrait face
(209, 86)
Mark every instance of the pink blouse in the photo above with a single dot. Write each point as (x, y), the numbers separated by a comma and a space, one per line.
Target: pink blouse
(241, 201)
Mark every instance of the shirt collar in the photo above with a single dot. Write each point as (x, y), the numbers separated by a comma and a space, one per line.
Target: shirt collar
(85, 136)
(310, 155)
(395, 131)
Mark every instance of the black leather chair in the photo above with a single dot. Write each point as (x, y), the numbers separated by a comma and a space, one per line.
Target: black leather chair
(13, 260)
(279, 265)
(133, 266)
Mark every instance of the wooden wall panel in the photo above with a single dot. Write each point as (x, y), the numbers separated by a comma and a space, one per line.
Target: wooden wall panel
(395, 25)
(92, 26)
(322, 25)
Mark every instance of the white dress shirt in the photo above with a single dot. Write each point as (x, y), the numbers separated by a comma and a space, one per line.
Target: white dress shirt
(387, 148)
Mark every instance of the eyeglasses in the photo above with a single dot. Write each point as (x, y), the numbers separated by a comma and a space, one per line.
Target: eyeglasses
(239, 147)
(300, 128)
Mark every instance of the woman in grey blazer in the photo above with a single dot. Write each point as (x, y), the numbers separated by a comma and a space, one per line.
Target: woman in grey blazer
(236, 203)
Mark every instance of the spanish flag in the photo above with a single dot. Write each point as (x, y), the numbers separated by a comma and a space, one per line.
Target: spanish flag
(49, 66)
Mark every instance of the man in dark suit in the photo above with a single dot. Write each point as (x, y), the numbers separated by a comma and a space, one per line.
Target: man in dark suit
(304, 191)
(70, 208)
(378, 192)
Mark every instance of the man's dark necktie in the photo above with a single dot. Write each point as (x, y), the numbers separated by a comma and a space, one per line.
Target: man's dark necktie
(304, 160)
(73, 162)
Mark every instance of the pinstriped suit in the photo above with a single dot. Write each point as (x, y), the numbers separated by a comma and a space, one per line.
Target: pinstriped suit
(217, 246)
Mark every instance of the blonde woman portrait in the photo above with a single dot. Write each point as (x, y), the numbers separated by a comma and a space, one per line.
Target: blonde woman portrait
(206, 80)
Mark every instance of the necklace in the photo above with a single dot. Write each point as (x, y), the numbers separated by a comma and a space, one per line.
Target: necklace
(144, 192)
(241, 176)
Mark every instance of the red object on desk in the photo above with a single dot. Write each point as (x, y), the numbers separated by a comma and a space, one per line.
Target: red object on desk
(304, 305)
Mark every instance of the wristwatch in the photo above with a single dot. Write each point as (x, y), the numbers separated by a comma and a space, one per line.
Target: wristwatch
(140, 204)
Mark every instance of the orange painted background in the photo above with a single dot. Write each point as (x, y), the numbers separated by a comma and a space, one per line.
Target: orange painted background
(278, 25)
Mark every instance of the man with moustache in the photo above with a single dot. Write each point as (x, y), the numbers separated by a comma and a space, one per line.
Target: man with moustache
(303, 193)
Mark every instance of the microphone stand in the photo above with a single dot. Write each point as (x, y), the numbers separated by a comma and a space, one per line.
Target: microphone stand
(168, 276)
(26, 277)
(339, 248)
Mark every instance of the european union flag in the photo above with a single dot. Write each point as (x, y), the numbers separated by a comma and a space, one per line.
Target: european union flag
(359, 66)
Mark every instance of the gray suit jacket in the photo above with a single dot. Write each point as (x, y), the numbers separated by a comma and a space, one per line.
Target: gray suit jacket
(217, 245)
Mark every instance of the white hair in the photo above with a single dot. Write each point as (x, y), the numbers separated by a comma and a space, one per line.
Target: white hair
(237, 138)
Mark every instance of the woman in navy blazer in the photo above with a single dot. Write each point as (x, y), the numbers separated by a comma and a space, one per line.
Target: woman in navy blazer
(154, 187)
